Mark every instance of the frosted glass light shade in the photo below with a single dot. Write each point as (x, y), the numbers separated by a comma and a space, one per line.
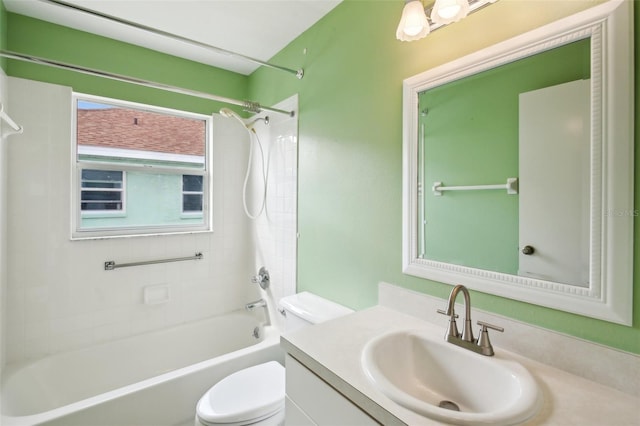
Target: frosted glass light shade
(413, 24)
(447, 11)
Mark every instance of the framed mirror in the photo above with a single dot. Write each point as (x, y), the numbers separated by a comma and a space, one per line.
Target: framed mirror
(518, 167)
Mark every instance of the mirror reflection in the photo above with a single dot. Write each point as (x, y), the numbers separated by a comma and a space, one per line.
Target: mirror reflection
(518, 167)
(526, 123)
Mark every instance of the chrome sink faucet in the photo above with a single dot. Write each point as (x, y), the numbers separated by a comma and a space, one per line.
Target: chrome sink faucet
(482, 344)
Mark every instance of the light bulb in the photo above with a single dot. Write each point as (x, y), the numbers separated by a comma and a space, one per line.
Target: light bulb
(448, 11)
(413, 23)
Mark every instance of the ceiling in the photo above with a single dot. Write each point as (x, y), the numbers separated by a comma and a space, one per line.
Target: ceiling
(254, 28)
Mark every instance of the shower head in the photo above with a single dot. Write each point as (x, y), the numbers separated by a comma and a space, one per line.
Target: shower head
(226, 112)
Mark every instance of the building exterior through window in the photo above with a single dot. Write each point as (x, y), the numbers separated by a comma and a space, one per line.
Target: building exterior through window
(139, 169)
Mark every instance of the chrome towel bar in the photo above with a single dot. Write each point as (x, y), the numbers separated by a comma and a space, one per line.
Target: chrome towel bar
(511, 186)
(111, 265)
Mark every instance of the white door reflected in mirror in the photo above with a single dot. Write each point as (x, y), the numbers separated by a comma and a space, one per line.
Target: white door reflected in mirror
(554, 183)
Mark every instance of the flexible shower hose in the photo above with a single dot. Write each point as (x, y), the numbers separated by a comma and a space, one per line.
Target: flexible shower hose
(246, 177)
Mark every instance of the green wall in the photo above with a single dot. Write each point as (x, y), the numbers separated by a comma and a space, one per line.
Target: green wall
(39, 38)
(350, 133)
(470, 138)
(350, 150)
(3, 33)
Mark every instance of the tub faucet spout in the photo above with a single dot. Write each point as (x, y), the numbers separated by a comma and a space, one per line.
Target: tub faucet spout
(260, 303)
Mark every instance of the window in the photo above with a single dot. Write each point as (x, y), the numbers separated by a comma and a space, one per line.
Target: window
(192, 194)
(139, 169)
(102, 191)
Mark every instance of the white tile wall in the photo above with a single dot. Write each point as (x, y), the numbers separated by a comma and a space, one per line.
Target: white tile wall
(3, 220)
(58, 296)
(275, 231)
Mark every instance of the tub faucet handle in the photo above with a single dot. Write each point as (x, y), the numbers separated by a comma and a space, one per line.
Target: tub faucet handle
(262, 278)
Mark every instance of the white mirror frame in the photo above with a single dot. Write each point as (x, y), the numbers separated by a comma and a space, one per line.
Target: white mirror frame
(609, 295)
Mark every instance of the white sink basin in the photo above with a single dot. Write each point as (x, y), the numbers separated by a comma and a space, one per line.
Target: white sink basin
(434, 378)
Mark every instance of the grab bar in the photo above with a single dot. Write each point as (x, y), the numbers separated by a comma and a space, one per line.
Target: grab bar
(511, 186)
(111, 265)
(14, 126)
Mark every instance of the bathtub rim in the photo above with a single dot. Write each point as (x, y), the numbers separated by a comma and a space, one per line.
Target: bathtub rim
(271, 338)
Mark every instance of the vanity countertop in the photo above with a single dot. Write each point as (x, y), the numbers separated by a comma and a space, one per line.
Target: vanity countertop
(332, 351)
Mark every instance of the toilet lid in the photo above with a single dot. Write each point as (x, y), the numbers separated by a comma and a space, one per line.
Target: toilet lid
(253, 393)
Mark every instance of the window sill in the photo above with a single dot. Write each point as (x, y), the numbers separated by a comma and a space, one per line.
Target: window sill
(101, 215)
(86, 236)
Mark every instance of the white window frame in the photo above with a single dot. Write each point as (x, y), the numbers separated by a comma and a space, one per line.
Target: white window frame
(104, 213)
(78, 233)
(192, 213)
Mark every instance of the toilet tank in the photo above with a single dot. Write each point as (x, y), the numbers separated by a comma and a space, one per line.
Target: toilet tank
(306, 308)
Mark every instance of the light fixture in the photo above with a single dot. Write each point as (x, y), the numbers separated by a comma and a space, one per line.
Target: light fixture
(413, 24)
(416, 21)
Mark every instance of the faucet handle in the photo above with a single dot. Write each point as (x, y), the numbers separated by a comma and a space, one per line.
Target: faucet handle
(486, 325)
(443, 312)
(262, 278)
(483, 340)
(452, 331)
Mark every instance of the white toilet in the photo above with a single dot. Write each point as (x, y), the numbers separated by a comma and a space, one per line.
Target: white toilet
(255, 395)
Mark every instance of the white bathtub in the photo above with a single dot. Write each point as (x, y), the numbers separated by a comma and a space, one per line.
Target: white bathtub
(151, 379)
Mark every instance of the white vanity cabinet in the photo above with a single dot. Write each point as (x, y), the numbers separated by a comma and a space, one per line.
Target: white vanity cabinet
(327, 385)
(311, 401)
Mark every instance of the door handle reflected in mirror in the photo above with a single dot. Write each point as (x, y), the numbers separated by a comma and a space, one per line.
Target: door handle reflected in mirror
(528, 250)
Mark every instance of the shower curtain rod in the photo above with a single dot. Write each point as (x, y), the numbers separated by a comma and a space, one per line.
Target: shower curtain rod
(249, 106)
(299, 73)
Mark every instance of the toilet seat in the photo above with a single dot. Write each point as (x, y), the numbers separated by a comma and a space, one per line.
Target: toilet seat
(244, 397)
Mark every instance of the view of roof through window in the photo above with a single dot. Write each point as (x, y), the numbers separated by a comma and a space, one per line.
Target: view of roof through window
(122, 134)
